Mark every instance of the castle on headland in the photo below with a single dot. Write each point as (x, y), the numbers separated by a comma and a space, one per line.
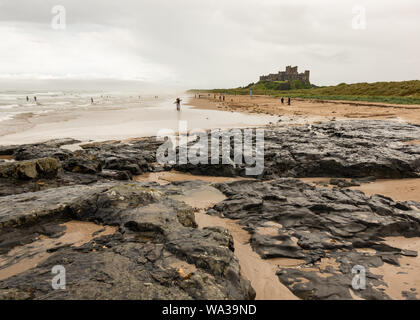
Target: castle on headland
(291, 73)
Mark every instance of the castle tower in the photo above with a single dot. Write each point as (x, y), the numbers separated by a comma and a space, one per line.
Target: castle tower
(307, 73)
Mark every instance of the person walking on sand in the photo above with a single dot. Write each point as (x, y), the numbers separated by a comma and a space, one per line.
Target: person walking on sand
(288, 101)
(178, 104)
(35, 98)
(27, 99)
(91, 100)
(282, 100)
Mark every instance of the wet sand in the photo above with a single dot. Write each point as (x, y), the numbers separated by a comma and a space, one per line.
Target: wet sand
(397, 189)
(400, 190)
(23, 258)
(412, 142)
(167, 177)
(325, 110)
(403, 278)
(261, 273)
(127, 118)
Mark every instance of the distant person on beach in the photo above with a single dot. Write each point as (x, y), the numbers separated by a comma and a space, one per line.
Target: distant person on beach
(27, 99)
(288, 101)
(282, 100)
(178, 104)
(35, 98)
(91, 100)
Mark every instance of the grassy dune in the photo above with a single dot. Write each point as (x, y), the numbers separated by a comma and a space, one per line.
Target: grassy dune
(404, 92)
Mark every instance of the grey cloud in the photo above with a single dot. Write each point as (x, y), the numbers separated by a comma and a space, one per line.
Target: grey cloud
(218, 43)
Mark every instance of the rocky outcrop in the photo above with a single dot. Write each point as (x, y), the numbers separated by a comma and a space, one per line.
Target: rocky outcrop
(157, 253)
(315, 224)
(45, 149)
(135, 157)
(31, 169)
(97, 162)
(354, 149)
(81, 162)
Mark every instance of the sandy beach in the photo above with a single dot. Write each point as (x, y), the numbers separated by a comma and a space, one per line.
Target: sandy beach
(117, 116)
(312, 110)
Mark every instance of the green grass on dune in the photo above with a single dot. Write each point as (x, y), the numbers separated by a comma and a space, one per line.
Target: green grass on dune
(404, 92)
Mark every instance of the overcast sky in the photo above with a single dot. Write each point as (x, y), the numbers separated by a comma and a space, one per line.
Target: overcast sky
(212, 43)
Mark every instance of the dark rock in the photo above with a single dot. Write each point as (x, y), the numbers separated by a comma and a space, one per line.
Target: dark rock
(156, 233)
(343, 183)
(31, 169)
(409, 253)
(157, 238)
(365, 179)
(115, 175)
(136, 157)
(41, 151)
(80, 162)
(391, 259)
(352, 149)
(316, 224)
(409, 295)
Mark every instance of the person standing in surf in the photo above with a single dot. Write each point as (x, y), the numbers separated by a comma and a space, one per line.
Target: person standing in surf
(178, 104)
